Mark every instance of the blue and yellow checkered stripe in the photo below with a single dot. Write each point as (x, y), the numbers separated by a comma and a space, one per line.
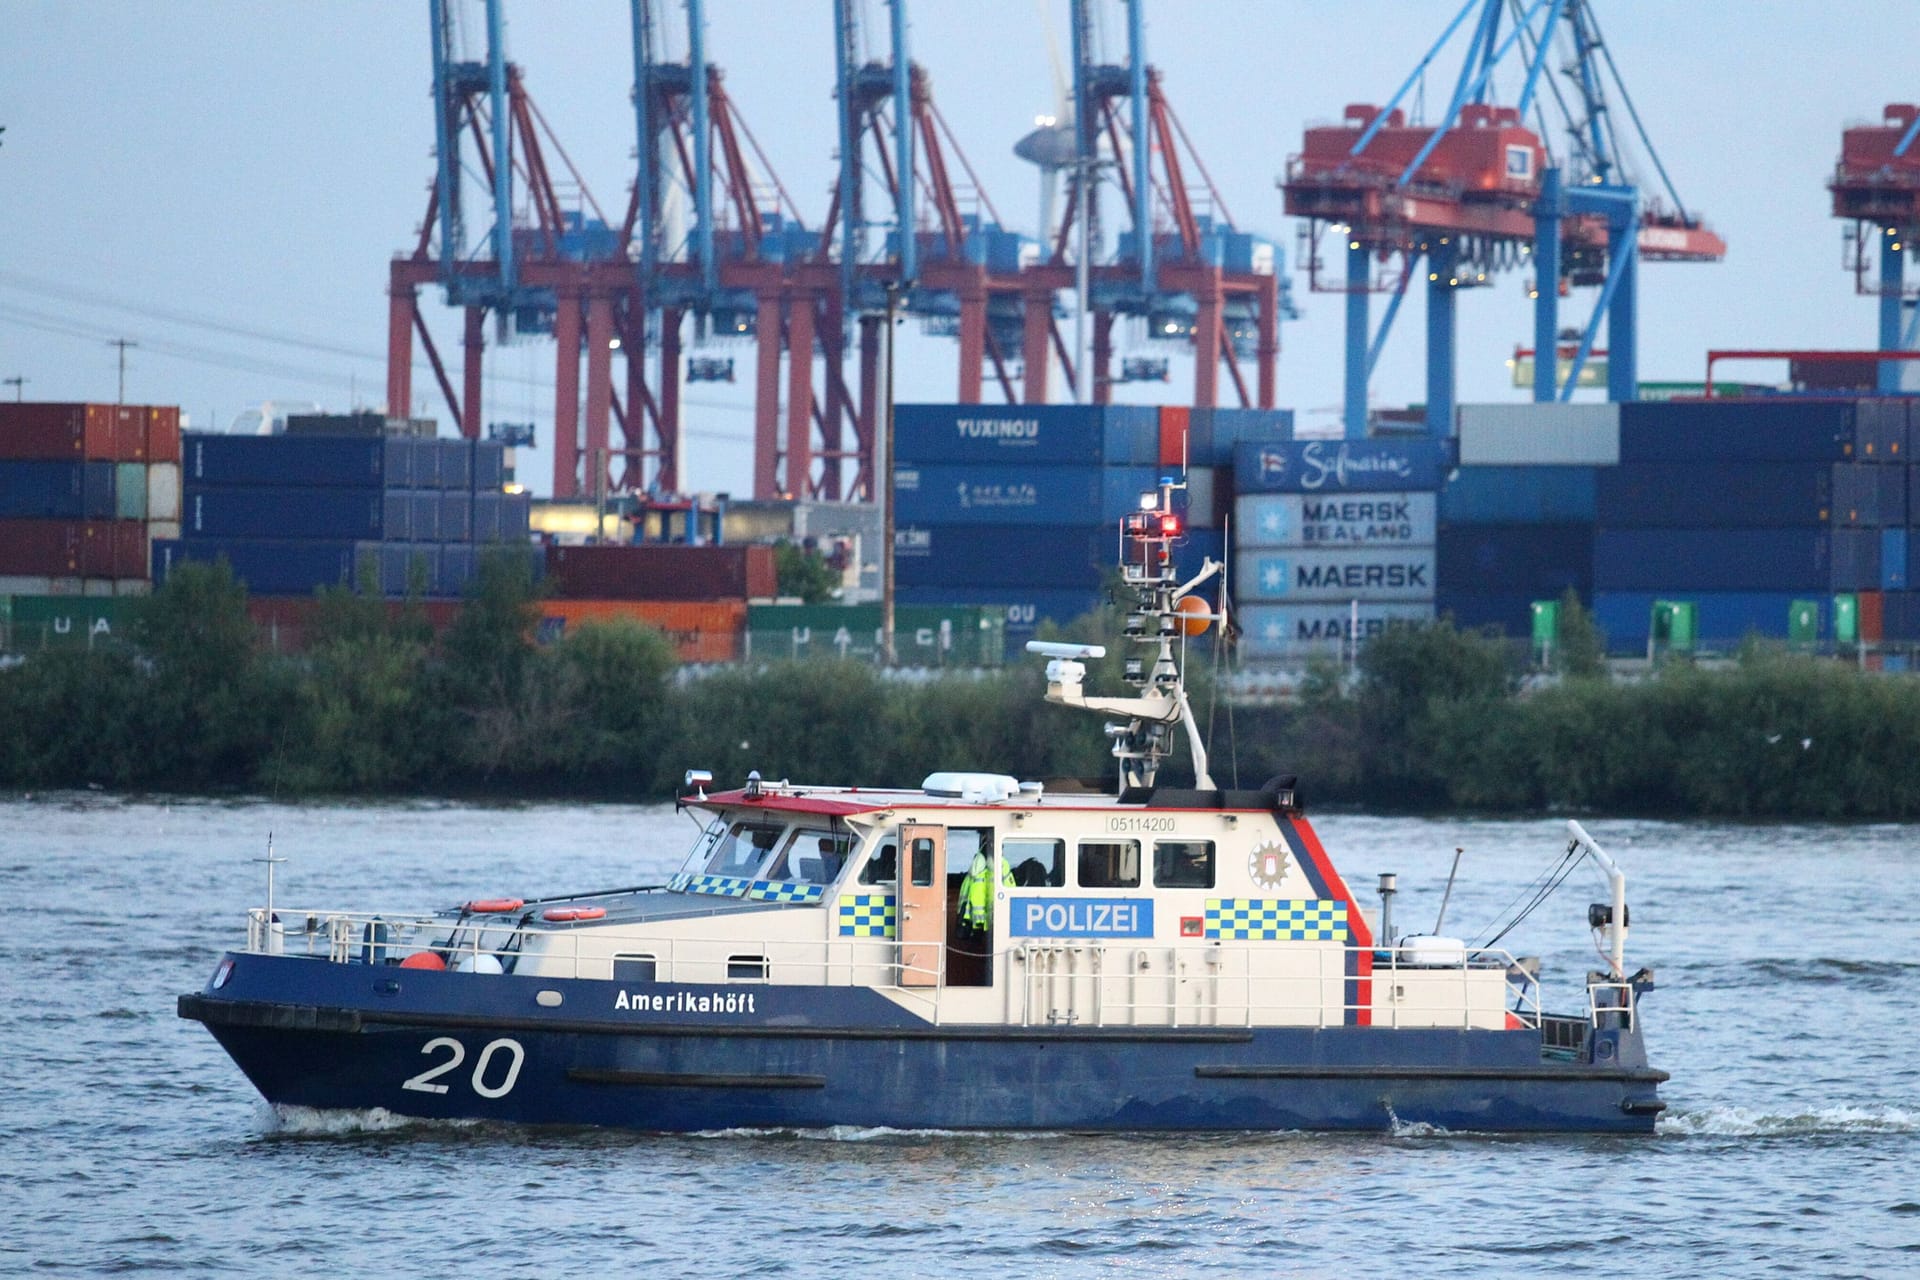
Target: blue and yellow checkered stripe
(1277, 919)
(867, 915)
(740, 887)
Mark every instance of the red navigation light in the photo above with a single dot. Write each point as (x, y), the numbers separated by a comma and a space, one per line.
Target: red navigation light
(1169, 526)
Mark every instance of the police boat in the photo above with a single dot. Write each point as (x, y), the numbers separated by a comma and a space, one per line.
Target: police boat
(979, 953)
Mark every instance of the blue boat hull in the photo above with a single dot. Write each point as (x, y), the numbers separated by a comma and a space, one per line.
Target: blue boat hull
(675, 1058)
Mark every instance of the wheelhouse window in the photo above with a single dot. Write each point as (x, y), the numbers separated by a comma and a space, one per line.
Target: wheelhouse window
(811, 856)
(1109, 864)
(883, 867)
(743, 850)
(746, 968)
(1036, 863)
(1183, 864)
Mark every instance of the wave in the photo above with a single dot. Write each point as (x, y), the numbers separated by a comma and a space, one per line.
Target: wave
(1748, 1122)
(1822, 971)
(875, 1133)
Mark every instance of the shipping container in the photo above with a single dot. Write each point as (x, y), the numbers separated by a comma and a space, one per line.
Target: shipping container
(1209, 435)
(700, 632)
(1208, 498)
(1743, 430)
(1870, 613)
(486, 515)
(454, 461)
(1883, 430)
(924, 635)
(266, 566)
(304, 462)
(1364, 574)
(1715, 560)
(454, 569)
(977, 433)
(129, 433)
(1003, 557)
(1023, 612)
(1539, 435)
(1722, 618)
(1715, 495)
(49, 548)
(163, 434)
(1508, 612)
(1519, 495)
(59, 432)
(1536, 560)
(397, 569)
(351, 514)
(68, 621)
(163, 491)
(129, 491)
(662, 572)
(516, 515)
(1896, 555)
(285, 623)
(456, 515)
(44, 490)
(1270, 520)
(1341, 466)
(1289, 630)
(15, 584)
(1856, 559)
(946, 494)
(489, 464)
(1867, 496)
(1900, 617)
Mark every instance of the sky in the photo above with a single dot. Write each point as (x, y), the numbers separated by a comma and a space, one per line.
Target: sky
(224, 182)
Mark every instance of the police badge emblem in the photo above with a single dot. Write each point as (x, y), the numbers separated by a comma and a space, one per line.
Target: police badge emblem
(1268, 865)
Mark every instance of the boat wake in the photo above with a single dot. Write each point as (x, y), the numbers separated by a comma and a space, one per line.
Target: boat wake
(1748, 1122)
(875, 1133)
(312, 1122)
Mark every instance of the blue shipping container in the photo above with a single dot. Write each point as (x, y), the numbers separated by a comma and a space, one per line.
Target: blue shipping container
(1739, 560)
(1883, 430)
(1722, 619)
(455, 463)
(1002, 556)
(1716, 495)
(268, 567)
(456, 515)
(1896, 553)
(1856, 559)
(1900, 616)
(999, 433)
(455, 566)
(352, 514)
(32, 490)
(1509, 612)
(1756, 430)
(487, 505)
(306, 462)
(397, 569)
(489, 464)
(1519, 495)
(1538, 560)
(516, 516)
(1868, 496)
(1130, 435)
(1036, 495)
(423, 515)
(1213, 433)
(1341, 466)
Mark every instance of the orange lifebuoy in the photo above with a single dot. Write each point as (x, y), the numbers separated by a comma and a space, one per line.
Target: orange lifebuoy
(493, 906)
(565, 915)
(424, 960)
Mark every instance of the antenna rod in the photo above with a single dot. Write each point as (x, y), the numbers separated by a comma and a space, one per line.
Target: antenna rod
(1448, 895)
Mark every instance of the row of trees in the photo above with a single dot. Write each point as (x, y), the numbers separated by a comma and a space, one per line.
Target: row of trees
(1433, 717)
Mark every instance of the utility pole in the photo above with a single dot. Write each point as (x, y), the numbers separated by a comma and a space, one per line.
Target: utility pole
(19, 387)
(122, 344)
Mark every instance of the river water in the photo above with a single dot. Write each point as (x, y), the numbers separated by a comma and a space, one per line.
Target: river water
(1786, 955)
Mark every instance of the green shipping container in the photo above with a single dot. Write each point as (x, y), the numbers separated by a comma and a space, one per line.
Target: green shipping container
(44, 622)
(1675, 625)
(1846, 619)
(130, 490)
(1803, 622)
(924, 635)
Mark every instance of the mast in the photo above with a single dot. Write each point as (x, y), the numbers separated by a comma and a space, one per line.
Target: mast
(1157, 623)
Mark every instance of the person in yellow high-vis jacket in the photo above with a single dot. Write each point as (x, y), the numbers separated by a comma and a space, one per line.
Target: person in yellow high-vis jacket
(976, 893)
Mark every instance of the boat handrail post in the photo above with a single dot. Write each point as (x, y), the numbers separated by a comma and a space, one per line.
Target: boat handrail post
(1617, 881)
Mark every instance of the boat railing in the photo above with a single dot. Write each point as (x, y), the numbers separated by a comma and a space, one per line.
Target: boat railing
(1088, 983)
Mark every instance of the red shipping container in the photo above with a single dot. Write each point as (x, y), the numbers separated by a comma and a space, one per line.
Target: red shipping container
(1870, 619)
(700, 632)
(163, 433)
(43, 548)
(57, 432)
(662, 572)
(129, 433)
(1174, 422)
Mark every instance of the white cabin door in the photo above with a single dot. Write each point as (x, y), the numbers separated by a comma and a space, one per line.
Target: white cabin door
(923, 904)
